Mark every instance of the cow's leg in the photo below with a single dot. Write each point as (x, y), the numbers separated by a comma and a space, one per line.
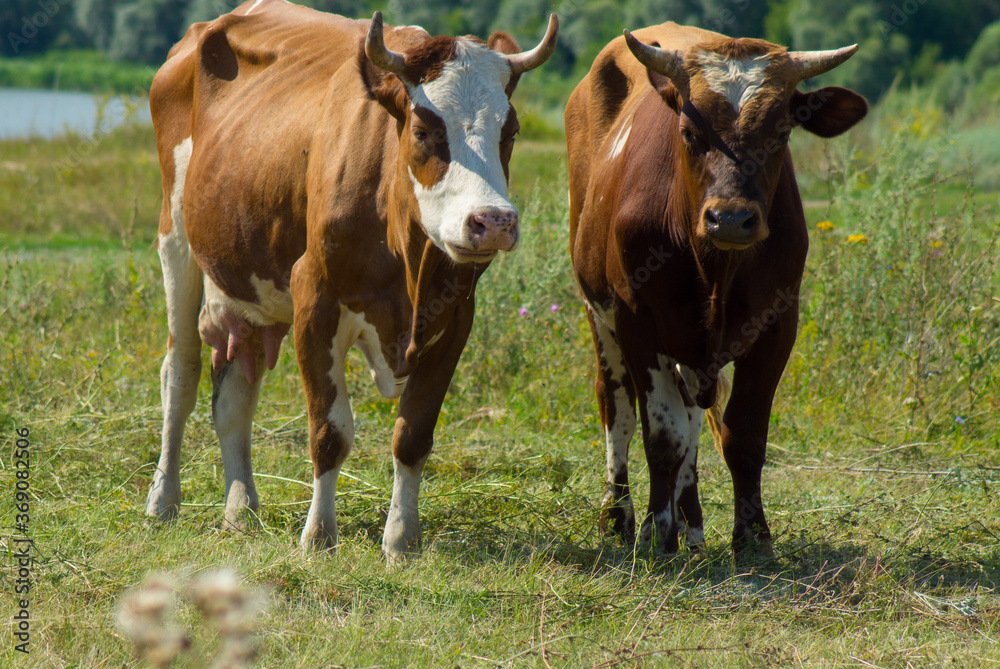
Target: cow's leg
(616, 404)
(181, 370)
(322, 340)
(690, 522)
(744, 430)
(413, 435)
(666, 424)
(234, 400)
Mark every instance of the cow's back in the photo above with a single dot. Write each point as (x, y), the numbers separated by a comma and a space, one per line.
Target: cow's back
(250, 89)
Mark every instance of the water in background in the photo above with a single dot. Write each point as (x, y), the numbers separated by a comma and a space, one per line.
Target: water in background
(37, 113)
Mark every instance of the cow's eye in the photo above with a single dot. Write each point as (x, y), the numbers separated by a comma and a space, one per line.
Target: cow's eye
(692, 141)
(420, 135)
(784, 136)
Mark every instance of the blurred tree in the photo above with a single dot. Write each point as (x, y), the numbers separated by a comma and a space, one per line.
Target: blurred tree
(145, 30)
(96, 19)
(32, 26)
(206, 10)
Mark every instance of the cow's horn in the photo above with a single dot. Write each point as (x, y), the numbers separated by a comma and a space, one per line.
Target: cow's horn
(390, 61)
(529, 60)
(814, 63)
(667, 62)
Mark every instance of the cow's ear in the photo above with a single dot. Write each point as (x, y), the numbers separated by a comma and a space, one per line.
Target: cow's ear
(505, 44)
(386, 88)
(666, 89)
(829, 111)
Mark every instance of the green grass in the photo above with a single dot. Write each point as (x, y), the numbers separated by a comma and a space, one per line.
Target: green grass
(883, 506)
(75, 71)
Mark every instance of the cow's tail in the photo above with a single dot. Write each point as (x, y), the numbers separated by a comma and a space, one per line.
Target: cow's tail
(714, 413)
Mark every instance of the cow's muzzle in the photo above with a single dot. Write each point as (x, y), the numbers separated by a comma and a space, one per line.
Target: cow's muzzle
(733, 226)
(488, 230)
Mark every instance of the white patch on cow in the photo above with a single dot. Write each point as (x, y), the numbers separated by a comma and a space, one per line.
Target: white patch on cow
(469, 98)
(619, 432)
(253, 7)
(354, 330)
(321, 523)
(668, 416)
(736, 79)
(604, 316)
(181, 369)
(272, 305)
(402, 527)
(621, 139)
(687, 474)
(182, 156)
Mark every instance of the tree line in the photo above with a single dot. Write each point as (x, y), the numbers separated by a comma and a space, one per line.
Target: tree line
(916, 40)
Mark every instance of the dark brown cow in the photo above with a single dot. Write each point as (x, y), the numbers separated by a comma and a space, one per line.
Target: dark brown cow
(688, 241)
(350, 178)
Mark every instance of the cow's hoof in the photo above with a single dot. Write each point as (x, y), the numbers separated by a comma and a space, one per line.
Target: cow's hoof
(163, 500)
(619, 521)
(752, 545)
(400, 543)
(241, 519)
(318, 537)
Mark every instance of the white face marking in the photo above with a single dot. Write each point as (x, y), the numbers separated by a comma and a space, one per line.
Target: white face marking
(621, 138)
(737, 80)
(321, 523)
(469, 98)
(402, 527)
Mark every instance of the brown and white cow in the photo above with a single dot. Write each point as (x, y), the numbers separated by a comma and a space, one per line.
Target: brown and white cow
(344, 176)
(688, 243)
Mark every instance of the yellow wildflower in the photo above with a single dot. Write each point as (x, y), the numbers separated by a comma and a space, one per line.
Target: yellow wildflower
(826, 226)
(857, 239)
(937, 243)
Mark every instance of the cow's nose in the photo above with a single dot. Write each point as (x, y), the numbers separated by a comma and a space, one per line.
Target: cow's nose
(731, 226)
(493, 229)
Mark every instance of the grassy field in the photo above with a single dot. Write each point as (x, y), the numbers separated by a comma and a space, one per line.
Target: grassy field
(881, 486)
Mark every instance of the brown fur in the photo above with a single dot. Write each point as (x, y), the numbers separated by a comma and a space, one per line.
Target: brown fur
(299, 175)
(702, 305)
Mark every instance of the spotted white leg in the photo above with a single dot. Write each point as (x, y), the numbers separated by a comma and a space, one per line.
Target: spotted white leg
(666, 438)
(616, 400)
(690, 523)
(234, 401)
(181, 370)
(402, 527)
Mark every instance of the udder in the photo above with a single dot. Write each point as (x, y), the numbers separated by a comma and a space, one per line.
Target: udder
(233, 334)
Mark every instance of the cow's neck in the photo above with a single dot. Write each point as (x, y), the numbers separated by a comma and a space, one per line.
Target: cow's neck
(717, 270)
